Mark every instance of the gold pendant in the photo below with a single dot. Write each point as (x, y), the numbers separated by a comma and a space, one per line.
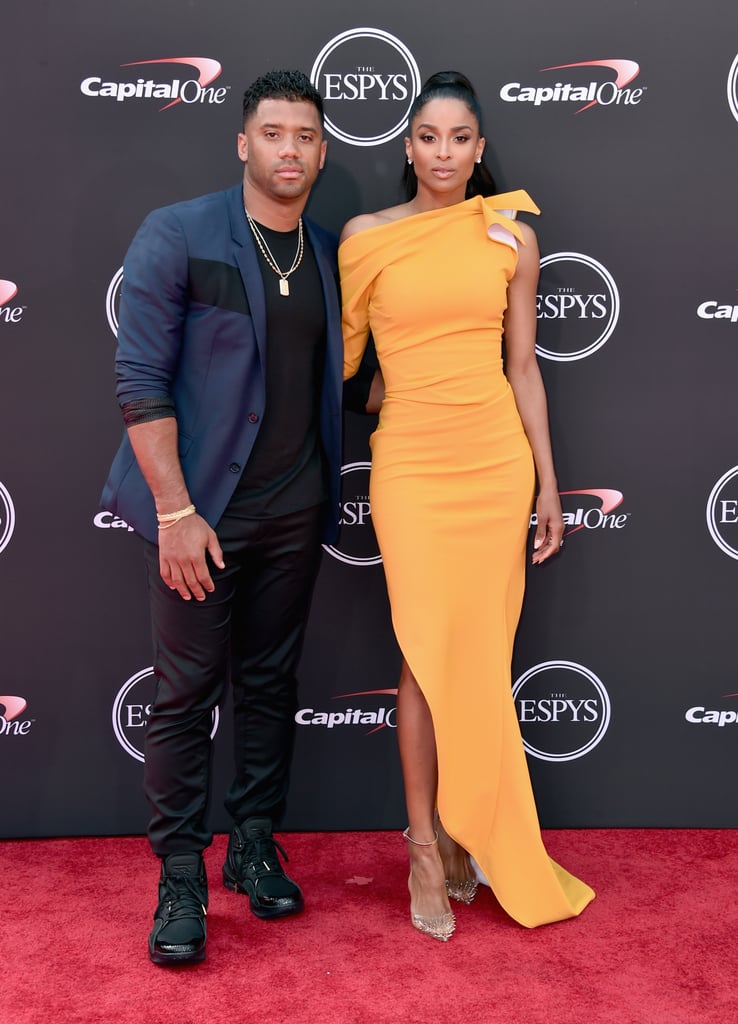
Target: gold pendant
(284, 286)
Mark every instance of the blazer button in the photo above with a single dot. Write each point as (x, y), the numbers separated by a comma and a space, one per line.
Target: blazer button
(253, 417)
(235, 467)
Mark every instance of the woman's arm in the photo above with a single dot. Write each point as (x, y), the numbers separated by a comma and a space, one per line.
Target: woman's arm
(524, 375)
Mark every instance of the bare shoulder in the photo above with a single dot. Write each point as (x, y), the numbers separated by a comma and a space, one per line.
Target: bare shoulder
(372, 220)
(360, 223)
(529, 235)
(528, 254)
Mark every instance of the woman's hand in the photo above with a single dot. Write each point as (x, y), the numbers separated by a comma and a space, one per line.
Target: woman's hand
(550, 529)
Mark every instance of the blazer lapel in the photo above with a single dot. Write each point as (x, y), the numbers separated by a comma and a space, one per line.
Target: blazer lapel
(334, 354)
(247, 260)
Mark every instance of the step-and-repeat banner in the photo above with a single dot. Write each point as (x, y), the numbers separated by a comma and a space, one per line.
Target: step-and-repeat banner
(621, 120)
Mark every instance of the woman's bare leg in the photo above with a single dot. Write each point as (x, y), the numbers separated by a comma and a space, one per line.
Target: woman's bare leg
(429, 904)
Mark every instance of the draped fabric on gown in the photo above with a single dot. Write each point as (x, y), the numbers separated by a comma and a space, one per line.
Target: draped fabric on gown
(451, 493)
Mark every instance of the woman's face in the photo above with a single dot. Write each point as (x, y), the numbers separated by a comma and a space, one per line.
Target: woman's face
(444, 145)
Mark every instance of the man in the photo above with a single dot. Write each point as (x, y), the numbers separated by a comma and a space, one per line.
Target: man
(229, 370)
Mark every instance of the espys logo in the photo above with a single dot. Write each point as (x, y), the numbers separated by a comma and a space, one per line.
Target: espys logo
(190, 91)
(702, 716)
(12, 709)
(131, 710)
(590, 510)
(7, 517)
(563, 709)
(714, 310)
(733, 88)
(368, 79)
(590, 94)
(578, 306)
(357, 543)
(722, 513)
(9, 314)
(379, 718)
(112, 300)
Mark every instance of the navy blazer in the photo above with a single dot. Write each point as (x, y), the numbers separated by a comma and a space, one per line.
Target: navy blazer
(192, 326)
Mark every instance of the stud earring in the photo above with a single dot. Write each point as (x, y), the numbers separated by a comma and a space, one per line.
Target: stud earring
(409, 161)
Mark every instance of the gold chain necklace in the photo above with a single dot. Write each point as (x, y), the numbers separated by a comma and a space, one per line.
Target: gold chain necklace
(266, 252)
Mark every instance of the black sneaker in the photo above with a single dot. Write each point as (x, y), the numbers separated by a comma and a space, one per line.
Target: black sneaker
(179, 932)
(252, 867)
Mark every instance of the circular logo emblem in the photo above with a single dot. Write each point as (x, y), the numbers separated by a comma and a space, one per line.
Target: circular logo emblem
(733, 88)
(578, 306)
(722, 513)
(357, 543)
(368, 79)
(563, 709)
(112, 300)
(7, 517)
(131, 710)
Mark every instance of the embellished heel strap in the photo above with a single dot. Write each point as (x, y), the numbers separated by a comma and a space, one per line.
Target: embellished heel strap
(406, 835)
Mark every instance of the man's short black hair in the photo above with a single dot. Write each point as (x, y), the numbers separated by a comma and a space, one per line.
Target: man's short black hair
(281, 85)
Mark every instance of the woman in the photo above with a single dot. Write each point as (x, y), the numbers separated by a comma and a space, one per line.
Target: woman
(455, 456)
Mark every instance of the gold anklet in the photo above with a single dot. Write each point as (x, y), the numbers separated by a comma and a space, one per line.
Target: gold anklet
(406, 835)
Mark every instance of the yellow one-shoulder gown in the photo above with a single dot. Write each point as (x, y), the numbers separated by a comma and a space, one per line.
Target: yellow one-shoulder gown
(451, 492)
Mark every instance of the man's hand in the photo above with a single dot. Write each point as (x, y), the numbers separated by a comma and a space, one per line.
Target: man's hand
(182, 562)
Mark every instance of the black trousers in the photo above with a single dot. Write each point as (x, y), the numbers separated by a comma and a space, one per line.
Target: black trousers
(250, 629)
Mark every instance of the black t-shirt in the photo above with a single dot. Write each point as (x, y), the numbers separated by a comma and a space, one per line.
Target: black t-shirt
(285, 472)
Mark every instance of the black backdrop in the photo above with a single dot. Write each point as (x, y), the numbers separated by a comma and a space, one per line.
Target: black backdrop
(621, 120)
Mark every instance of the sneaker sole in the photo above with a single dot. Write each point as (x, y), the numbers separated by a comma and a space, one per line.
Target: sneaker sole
(265, 913)
(175, 959)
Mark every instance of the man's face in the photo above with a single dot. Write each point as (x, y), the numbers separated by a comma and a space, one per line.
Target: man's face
(282, 148)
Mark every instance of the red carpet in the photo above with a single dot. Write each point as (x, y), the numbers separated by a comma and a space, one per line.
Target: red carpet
(658, 945)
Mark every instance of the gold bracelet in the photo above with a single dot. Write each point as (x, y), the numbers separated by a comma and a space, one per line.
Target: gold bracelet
(167, 519)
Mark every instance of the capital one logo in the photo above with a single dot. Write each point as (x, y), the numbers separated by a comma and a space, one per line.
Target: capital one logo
(10, 721)
(733, 88)
(700, 715)
(592, 93)
(714, 310)
(177, 89)
(357, 543)
(722, 513)
(105, 520)
(379, 718)
(368, 79)
(9, 314)
(131, 710)
(578, 306)
(591, 509)
(7, 517)
(112, 300)
(563, 709)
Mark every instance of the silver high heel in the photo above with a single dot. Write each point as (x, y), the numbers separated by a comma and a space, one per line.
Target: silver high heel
(463, 890)
(441, 927)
